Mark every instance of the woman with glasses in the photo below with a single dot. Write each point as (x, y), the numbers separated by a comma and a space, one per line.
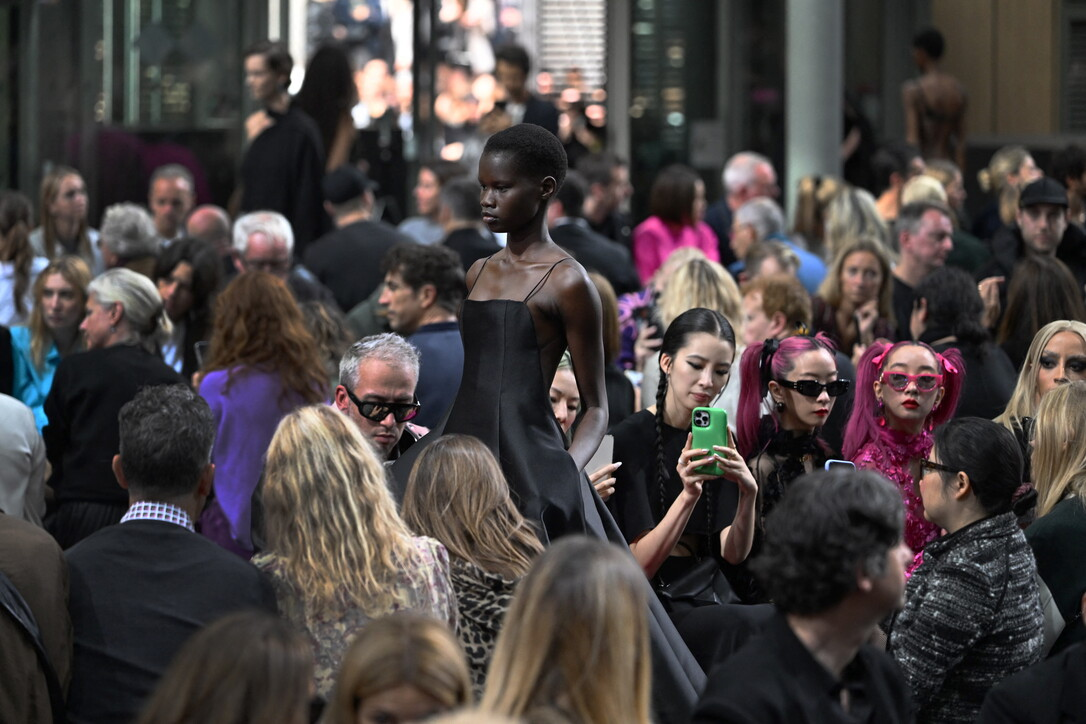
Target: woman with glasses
(262, 364)
(339, 556)
(903, 392)
(972, 613)
(797, 377)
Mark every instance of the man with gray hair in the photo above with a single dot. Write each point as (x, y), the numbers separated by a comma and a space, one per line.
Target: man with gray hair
(128, 239)
(760, 220)
(747, 175)
(140, 589)
(924, 234)
(212, 224)
(264, 241)
(171, 195)
(377, 379)
(833, 563)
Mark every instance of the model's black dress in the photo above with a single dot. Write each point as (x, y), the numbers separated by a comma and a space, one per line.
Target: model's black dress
(503, 401)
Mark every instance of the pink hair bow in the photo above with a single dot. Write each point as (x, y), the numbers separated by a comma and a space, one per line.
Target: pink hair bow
(946, 364)
(878, 360)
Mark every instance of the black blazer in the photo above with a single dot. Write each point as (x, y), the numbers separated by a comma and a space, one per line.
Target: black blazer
(597, 253)
(138, 591)
(1051, 692)
(348, 260)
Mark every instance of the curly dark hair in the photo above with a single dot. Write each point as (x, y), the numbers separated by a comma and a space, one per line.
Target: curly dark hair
(419, 265)
(535, 151)
(828, 526)
(258, 324)
(954, 306)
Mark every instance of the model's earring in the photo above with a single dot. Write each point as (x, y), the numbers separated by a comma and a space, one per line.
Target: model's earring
(882, 414)
(780, 406)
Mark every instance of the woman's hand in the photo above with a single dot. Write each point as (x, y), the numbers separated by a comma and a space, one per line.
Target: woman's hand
(645, 345)
(737, 539)
(866, 315)
(603, 480)
(689, 460)
(735, 469)
(988, 289)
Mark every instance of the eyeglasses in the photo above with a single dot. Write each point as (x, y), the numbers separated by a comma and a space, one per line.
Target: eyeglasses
(925, 382)
(377, 411)
(926, 465)
(811, 388)
(267, 265)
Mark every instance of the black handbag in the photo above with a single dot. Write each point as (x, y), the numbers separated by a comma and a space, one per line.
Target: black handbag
(704, 584)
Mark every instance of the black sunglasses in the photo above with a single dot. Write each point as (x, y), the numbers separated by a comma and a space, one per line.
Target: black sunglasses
(811, 388)
(377, 411)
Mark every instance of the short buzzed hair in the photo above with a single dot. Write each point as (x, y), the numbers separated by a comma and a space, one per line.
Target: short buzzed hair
(461, 197)
(173, 170)
(910, 215)
(166, 436)
(536, 151)
(273, 224)
(764, 215)
(387, 347)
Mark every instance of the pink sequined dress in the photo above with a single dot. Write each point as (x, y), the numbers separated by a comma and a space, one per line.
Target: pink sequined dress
(890, 455)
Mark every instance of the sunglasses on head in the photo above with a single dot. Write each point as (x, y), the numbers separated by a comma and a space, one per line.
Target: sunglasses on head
(925, 382)
(811, 388)
(378, 411)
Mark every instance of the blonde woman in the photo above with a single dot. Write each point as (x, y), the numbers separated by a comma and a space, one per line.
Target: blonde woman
(1009, 171)
(64, 230)
(575, 644)
(1057, 355)
(458, 495)
(338, 553)
(402, 668)
(854, 305)
(1059, 474)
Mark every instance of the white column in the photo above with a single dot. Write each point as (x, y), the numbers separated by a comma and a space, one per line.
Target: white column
(814, 90)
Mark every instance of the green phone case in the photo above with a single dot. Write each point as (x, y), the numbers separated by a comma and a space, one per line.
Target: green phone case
(710, 427)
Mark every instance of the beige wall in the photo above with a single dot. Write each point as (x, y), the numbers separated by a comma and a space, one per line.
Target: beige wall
(1006, 52)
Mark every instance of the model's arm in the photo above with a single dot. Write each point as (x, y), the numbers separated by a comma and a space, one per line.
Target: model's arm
(959, 132)
(579, 305)
(910, 92)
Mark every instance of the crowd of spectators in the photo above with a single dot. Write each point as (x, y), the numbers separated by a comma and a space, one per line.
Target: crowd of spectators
(204, 421)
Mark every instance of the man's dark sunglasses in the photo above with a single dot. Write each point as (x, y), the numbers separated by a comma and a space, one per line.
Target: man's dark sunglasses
(811, 388)
(377, 411)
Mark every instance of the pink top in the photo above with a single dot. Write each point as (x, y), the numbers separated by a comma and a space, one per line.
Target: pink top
(890, 456)
(654, 239)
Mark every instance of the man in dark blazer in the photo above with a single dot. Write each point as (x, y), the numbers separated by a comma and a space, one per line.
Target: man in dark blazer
(594, 251)
(523, 106)
(140, 589)
(1050, 692)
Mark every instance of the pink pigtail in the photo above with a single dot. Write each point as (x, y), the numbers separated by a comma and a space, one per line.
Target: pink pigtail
(751, 393)
(953, 369)
(863, 425)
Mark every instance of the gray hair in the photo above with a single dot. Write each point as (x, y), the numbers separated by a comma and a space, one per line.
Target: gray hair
(763, 214)
(143, 309)
(272, 224)
(741, 169)
(910, 215)
(129, 231)
(388, 347)
(173, 170)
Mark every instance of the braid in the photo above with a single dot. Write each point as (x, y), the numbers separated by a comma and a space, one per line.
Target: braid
(661, 465)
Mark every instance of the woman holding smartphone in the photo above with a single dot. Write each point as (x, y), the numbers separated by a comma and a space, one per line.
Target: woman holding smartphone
(670, 516)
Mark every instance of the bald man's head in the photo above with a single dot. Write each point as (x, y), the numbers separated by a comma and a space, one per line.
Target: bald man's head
(211, 224)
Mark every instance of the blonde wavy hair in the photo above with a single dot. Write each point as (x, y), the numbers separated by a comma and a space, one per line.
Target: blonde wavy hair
(700, 282)
(852, 214)
(404, 648)
(1026, 397)
(332, 525)
(1059, 452)
(995, 179)
(576, 635)
(457, 494)
(830, 291)
(813, 197)
(74, 271)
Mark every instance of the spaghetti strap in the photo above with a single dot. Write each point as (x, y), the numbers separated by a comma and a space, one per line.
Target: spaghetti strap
(480, 274)
(541, 282)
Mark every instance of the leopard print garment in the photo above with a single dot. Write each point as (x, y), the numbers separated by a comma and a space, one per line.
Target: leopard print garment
(482, 599)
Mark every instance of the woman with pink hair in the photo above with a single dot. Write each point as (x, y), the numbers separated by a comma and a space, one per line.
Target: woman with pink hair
(903, 392)
(797, 376)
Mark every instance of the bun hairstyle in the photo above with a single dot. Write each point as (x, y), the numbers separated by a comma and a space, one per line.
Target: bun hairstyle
(143, 308)
(762, 362)
(694, 321)
(863, 425)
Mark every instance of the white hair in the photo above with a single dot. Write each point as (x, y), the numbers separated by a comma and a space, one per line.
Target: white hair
(129, 231)
(274, 225)
(387, 347)
(142, 305)
(741, 169)
(765, 215)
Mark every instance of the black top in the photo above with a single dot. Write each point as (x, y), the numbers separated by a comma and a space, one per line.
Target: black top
(7, 362)
(348, 260)
(774, 678)
(903, 298)
(1049, 693)
(597, 253)
(1058, 540)
(282, 171)
(989, 381)
(82, 435)
(617, 227)
(471, 245)
(638, 504)
(139, 590)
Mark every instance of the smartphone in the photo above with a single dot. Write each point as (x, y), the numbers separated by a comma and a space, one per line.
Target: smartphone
(201, 353)
(604, 455)
(710, 427)
(839, 465)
